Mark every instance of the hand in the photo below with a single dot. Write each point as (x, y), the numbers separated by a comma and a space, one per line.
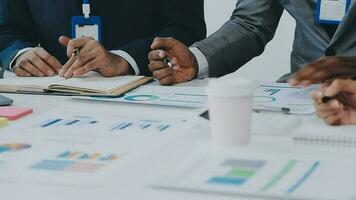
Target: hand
(342, 109)
(92, 56)
(185, 67)
(36, 62)
(324, 69)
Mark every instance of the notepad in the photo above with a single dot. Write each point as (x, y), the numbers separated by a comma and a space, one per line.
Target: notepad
(325, 135)
(91, 84)
(14, 113)
(3, 122)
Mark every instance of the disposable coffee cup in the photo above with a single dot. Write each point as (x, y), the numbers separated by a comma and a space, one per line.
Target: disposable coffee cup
(230, 111)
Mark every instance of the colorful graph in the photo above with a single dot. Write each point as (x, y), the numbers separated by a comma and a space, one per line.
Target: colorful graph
(74, 121)
(240, 172)
(141, 125)
(75, 161)
(13, 147)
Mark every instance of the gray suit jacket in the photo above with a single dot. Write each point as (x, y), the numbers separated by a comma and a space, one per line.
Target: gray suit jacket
(253, 25)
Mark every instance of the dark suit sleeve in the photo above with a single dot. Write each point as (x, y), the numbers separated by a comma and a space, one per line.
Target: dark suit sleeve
(180, 19)
(16, 29)
(244, 36)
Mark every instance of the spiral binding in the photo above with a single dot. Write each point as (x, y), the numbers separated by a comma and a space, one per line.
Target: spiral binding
(325, 140)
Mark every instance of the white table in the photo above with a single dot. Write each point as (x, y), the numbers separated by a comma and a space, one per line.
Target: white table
(133, 182)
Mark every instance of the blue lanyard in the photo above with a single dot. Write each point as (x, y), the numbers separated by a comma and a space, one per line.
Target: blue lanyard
(86, 9)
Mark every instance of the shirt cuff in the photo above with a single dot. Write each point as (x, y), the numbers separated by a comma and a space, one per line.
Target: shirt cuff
(129, 59)
(203, 64)
(19, 53)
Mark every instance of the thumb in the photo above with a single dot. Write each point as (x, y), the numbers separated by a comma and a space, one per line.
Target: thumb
(336, 87)
(163, 43)
(64, 40)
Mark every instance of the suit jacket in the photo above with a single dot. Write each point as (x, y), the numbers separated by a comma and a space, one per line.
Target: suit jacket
(253, 25)
(128, 25)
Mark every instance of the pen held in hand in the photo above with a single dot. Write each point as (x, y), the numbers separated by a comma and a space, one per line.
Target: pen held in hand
(70, 62)
(168, 61)
(326, 99)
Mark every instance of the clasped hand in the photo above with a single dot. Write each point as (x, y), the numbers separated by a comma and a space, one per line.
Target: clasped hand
(93, 57)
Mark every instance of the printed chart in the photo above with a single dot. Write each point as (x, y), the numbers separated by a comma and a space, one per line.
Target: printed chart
(263, 176)
(163, 96)
(13, 147)
(76, 162)
(97, 125)
(284, 98)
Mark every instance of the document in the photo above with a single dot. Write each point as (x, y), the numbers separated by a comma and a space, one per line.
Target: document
(63, 164)
(282, 97)
(253, 174)
(189, 97)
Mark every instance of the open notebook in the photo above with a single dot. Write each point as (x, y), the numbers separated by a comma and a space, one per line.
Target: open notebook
(91, 84)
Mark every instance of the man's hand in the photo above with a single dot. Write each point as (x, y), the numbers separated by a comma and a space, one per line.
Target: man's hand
(92, 56)
(185, 67)
(342, 109)
(325, 69)
(36, 62)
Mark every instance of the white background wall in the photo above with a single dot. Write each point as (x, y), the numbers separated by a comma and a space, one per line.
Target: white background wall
(274, 62)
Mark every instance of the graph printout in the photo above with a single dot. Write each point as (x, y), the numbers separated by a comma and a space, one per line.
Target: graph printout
(274, 176)
(278, 96)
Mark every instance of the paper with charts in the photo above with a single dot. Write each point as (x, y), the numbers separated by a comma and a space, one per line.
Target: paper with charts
(79, 122)
(190, 97)
(276, 96)
(77, 165)
(264, 175)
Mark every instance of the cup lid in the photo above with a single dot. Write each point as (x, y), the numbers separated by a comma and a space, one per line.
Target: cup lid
(230, 87)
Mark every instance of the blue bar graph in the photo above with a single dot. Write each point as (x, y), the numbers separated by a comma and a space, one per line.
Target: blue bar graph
(50, 123)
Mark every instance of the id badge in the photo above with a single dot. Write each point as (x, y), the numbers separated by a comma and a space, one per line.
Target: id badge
(91, 27)
(331, 11)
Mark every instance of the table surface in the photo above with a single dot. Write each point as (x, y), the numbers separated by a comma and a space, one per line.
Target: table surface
(131, 182)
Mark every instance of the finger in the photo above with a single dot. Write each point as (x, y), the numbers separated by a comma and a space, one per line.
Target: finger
(168, 80)
(78, 43)
(157, 65)
(20, 72)
(161, 74)
(333, 120)
(49, 59)
(64, 40)
(30, 68)
(90, 66)
(41, 65)
(79, 62)
(307, 71)
(325, 115)
(157, 55)
(317, 95)
(163, 43)
(336, 87)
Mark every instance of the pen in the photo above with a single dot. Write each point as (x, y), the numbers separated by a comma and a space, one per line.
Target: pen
(168, 61)
(326, 99)
(72, 59)
(284, 110)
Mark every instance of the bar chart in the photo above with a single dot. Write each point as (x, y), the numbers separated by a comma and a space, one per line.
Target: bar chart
(76, 162)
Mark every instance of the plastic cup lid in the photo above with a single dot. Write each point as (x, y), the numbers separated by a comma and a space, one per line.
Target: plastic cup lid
(230, 87)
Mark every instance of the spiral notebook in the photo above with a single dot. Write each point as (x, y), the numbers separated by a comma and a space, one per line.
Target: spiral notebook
(327, 136)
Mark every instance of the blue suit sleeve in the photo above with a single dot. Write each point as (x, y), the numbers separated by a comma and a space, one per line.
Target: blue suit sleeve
(16, 30)
(182, 20)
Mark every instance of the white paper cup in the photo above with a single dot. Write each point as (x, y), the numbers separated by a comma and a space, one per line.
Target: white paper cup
(230, 110)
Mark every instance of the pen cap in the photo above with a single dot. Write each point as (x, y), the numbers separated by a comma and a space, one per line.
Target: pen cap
(232, 87)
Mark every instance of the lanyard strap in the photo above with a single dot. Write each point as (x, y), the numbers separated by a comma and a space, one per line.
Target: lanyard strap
(86, 9)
